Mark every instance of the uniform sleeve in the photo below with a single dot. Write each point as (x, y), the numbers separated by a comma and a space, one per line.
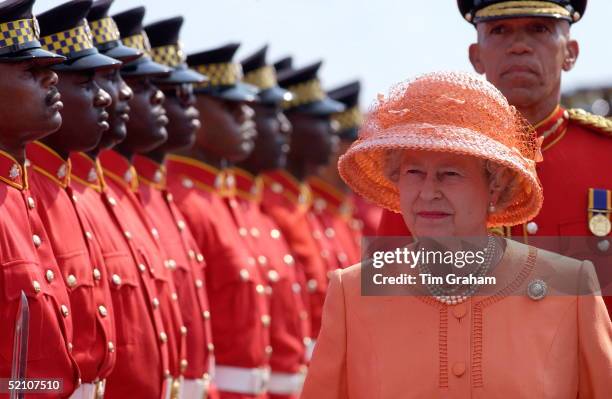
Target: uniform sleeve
(594, 339)
(326, 377)
(392, 224)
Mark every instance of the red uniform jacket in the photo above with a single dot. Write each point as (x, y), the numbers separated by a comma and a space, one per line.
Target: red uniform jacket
(577, 151)
(186, 262)
(141, 357)
(80, 261)
(122, 180)
(239, 310)
(27, 264)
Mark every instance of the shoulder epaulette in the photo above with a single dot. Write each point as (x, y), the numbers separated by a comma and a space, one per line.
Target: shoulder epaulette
(597, 123)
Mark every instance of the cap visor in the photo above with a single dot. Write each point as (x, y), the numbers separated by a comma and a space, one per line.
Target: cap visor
(182, 74)
(144, 66)
(349, 134)
(123, 53)
(274, 95)
(326, 106)
(42, 57)
(88, 62)
(238, 92)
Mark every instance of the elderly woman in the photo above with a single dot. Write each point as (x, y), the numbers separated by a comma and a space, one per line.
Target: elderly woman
(448, 152)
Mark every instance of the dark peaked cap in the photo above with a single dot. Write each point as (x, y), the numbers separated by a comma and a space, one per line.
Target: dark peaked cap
(476, 11)
(349, 120)
(64, 30)
(263, 76)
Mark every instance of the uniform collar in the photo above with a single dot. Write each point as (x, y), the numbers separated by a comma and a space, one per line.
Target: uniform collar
(281, 182)
(117, 168)
(150, 172)
(194, 173)
(12, 172)
(553, 127)
(247, 186)
(325, 196)
(87, 171)
(49, 163)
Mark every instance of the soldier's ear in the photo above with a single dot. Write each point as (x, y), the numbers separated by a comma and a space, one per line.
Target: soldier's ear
(572, 49)
(474, 53)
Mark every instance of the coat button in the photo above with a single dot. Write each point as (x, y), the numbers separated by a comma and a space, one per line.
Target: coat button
(70, 347)
(142, 267)
(171, 264)
(31, 203)
(459, 310)
(603, 245)
(102, 310)
(36, 286)
(265, 320)
(276, 188)
(181, 225)
(155, 303)
(111, 346)
(316, 235)
(36, 240)
(88, 235)
(459, 369)
(154, 232)
(210, 347)
(269, 350)
(297, 288)
(244, 274)
(49, 275)
(329, 232)
(174, 296)
(342, 257)
(260, 289)
(262, 260)
(200, 258)
(183, 331)
(275, 233)
(65, 310)
(199, 283)
(163, 337)
(206, 314)
(187, 183)
(71, 280)
(312, 285)
(169, 197)
(273, 276)
(537, 289)
(324, 254)
(97, 275)
(127, 235)
(112, 201)
(288, 259)
(255, 232)
(191, 254)
(184, 364)
(116, 279)
(532, 227)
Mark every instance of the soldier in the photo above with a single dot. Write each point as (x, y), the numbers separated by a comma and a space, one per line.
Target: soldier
(29, 110)
(184, 258)
(79, 258)
(287, 199)
(365, 216)
(523, 49)
(141, 356)
(238, 306)
(289, 327)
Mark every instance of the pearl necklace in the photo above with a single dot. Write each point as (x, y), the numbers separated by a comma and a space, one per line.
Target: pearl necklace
(444, 296)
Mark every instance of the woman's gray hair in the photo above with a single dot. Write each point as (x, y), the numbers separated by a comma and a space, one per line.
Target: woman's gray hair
(500, 177)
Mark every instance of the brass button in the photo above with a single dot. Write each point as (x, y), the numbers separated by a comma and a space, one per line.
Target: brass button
(275, 233)
(49, 275)
(111, 346)
(36, 240)
(532, 227)
(166, 373)
(127, 235)
(31, 203)
(71, 280)
(288, 259)
(259, 289)
(316, 235)
(181, 225)
(329, 232)
(459, 369)
(74, 198)
(312, 285)
(155, 303)
(65, 310)
(102, 310)
(199, 283)
(251, 261)
(169, 197)
(324, 254)
(297, 288)
(307, 341)
(183, 330)
(112, 201)
(192, 254)
(459, 310)
(242, 231)
(206, 314)
(244, 274)
(200, 258)
(265, 320)
(342, 257)
(154, 232)
(187, 183)
(273, 276)
(174, 296)
(184, 364)
(97, 275)
(211, 347)
(254, 232)
(268, 350)
(171, 264)
(276, 188)
(36, 286)
(142, 267)
(70, 346)
(262, 260)
(163, 337)
(88, 235)
(116, 279)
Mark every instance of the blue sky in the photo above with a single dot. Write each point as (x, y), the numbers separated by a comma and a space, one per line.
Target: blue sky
(380, 42)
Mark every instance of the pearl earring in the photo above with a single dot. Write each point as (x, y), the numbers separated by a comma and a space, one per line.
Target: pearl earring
(491, 207)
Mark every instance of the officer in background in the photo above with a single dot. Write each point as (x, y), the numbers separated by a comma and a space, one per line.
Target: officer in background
(64, 31)
(29, 109)
(523, 49)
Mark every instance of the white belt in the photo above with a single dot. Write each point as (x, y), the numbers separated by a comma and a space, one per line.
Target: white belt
(195, 389)
(89, 391)
(286, 383)
(242, 380)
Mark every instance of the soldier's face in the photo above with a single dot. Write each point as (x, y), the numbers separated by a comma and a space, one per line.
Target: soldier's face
(85, 116)
(183, 117)
(228, 131)
(272, 143)
(118, 111)
(524, 57)
(313, 140)
(146, 127)
(30, 103)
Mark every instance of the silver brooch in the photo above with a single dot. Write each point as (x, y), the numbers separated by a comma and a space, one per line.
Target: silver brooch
(537, 290)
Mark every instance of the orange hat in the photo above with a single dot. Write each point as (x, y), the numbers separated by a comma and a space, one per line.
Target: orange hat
(450, 112)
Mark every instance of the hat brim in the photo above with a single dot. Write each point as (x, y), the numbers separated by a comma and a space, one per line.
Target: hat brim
(122, 53)
(91, 61)
(349, 134)
(238, 92)
(363, 166)
(144, 66)
(39, 55)
(182, 74)
(323, 107)
(274, 95)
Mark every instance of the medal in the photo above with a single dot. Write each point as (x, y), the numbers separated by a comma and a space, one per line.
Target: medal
(600, 208)
(600, 225)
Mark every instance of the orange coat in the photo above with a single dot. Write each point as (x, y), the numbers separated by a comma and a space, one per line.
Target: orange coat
(500, 346)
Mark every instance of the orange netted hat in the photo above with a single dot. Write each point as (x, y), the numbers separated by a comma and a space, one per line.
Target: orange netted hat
(450, 112)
